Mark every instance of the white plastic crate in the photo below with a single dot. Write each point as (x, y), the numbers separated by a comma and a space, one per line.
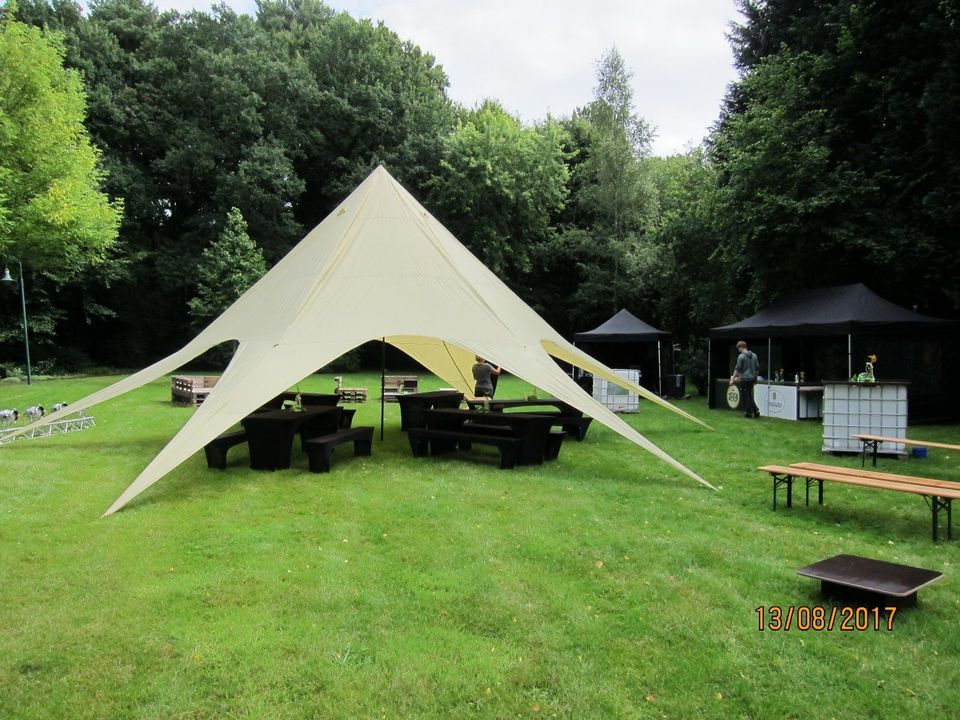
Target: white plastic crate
(860, 408)
(613, 396)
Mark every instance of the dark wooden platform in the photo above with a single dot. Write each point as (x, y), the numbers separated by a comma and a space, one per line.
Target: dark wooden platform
(871, 582)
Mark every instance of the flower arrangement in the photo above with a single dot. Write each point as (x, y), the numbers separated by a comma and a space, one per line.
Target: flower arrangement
(867, 375)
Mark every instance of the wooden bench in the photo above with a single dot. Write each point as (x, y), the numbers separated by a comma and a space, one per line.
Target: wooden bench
(394, 385)
(191, 389)
(938, 495)
(216, 449)
(867, 582)
(874, 442)
(439, 441)
(320, 449)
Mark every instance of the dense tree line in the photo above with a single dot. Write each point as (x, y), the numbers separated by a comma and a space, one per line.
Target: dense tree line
(834, 160)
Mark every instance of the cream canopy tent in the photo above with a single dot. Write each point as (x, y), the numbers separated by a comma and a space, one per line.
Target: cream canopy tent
(379, 266)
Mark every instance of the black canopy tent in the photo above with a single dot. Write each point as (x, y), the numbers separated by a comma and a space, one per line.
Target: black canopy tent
(827, 333)
(626, 341)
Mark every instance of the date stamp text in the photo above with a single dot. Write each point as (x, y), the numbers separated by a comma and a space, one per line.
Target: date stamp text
(817, 618)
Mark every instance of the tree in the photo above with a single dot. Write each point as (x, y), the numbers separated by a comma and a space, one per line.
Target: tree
(498, 187)
(53, 214)
(837, 152)
(614, 198)
(228, 267)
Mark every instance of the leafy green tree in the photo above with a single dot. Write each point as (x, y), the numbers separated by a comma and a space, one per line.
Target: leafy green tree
(228, 267)
(498, 187)
(53, 214)
(693, 282)
(837, 151)
(615, 201)
(785, 200)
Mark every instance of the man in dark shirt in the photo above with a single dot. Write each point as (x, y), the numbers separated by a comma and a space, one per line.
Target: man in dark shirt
(484, 375)
(745, 377)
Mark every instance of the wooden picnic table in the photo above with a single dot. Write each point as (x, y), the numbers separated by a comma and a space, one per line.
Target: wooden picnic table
(874, 441)
(939, 494)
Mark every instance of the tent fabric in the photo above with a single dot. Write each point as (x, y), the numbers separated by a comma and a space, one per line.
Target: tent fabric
(622, 327)
(828, 311)
(379, 266)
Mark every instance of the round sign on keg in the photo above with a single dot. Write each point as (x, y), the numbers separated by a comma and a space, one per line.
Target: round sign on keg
(733, 397)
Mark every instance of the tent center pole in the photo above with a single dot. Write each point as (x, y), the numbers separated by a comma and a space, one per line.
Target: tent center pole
(849, 355)
(659, 370)
(383, 380)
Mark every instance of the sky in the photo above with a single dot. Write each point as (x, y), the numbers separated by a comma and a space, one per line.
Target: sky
(539, 57)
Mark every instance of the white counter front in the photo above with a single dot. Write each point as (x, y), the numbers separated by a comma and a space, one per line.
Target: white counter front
(788, 401)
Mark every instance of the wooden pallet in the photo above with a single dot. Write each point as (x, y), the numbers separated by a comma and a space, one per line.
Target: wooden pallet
(191, 389)
(352, 395)
(394, 385)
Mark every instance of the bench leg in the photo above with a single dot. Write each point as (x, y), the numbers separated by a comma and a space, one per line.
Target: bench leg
(819, 490)
(216, 457)
(362, 446)
(508, 457)
(319, 459)
(418, 447)
(779, 480)
(936, 505)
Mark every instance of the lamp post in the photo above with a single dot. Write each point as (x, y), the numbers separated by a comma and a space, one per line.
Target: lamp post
(23, 305)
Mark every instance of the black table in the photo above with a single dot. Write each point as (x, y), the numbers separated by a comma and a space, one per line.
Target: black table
(500, 405)
(532, 430)
(270, 434)
(571, 419)
(412, 405)
(873, 582)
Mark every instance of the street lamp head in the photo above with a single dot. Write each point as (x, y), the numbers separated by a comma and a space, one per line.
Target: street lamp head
(6, 276)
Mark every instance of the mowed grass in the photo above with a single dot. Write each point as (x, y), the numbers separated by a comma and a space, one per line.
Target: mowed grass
(603, 585)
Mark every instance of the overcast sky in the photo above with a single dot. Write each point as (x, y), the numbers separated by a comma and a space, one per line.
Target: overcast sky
(540, 56)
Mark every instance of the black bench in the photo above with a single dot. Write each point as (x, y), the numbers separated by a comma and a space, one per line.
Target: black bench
(551, 448)
(320, 449)
(216, 449)
(421, 439)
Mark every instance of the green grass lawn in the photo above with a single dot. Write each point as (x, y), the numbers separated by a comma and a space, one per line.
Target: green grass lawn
(604, 585)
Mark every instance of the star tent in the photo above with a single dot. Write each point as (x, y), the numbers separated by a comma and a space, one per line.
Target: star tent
(379, 266)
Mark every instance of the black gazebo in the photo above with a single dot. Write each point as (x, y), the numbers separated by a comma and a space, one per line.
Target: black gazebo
(827, 334)
(625, 341)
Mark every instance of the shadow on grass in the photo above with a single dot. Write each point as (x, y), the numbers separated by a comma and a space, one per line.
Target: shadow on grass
(909, 524)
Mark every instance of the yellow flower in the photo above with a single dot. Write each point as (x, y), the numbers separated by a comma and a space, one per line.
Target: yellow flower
(872, 358)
